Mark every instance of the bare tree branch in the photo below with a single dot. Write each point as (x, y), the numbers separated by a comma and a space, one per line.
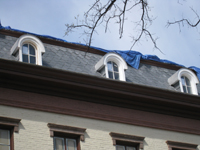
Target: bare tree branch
(100, 13)
(183, 21)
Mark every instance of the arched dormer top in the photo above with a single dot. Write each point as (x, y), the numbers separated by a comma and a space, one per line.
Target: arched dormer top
(111, 57)
(33, 41)
(114, 59)
(189, 74)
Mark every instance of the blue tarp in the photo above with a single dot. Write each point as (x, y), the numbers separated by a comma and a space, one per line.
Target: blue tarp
(131, 57)
(197, 70)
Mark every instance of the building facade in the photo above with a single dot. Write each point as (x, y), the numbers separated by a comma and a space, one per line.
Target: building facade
(57, 95)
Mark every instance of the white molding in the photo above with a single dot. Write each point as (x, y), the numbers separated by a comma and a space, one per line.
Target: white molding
(114, 58)
(176, 77)
(29, 39)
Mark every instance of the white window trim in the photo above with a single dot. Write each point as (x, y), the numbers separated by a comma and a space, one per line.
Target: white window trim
(176, 77)
(122, 66)
(29, 39)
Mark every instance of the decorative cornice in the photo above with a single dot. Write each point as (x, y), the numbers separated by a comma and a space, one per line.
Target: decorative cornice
(127, 138)
(66, 129)
(33, 78)
(78, 88)
(10, 122)
(180, 145)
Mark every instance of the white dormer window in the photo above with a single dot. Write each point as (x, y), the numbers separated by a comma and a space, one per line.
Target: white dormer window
(29, 49)
(185, 81)
(112, 66)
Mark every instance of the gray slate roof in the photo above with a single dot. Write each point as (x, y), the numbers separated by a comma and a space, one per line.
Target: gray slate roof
(81, 62)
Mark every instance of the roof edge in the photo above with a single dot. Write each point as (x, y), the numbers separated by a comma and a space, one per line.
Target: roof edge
(43, 80)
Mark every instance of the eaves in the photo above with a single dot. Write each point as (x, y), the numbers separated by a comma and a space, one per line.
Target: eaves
(49, 81)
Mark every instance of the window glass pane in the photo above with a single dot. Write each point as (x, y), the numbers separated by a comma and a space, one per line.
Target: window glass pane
(32, 60)
(25, 49)
(110, 74)
(59, 144)
(109, 64)
(3, 147)
(32, 50)
(183, 81)
(116, 76)
(4, 137)
(115, 67)
(120, 147)
(25, 58)
(189, 90)
(71, 144)
(187, 81)
(184, 89)
(130, 148)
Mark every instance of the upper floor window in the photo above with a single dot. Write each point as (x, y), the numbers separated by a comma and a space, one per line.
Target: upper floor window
(124, 147)
(127, 142)
(29, 49)
(7, 128)
(184, 80)
(4, 139)
(62, 143)
(172, 145)
(112, 66)
(66, 137)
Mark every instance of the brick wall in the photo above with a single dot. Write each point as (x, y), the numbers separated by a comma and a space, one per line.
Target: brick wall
(34, 133)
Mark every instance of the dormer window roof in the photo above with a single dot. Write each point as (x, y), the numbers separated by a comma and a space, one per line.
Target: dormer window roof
(112, 66)
(185, 81)
(29, 49)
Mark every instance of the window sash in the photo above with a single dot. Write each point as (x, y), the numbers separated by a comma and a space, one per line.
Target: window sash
(68, 146)
(65, 143)
(28, 54)
(186, 85)
(123, 147)
(4, 137)
(113, 70)
(56, 146)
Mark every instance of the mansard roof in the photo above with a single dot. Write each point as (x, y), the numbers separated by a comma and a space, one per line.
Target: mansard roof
(77, 58)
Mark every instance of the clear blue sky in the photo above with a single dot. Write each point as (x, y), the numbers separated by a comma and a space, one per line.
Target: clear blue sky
(50, 16)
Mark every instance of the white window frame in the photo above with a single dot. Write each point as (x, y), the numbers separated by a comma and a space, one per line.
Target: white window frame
(32, 40)
(113, 57)
(176, 77)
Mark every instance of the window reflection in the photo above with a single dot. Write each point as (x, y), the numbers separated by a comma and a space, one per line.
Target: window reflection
(113, 71)
(28, 54)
